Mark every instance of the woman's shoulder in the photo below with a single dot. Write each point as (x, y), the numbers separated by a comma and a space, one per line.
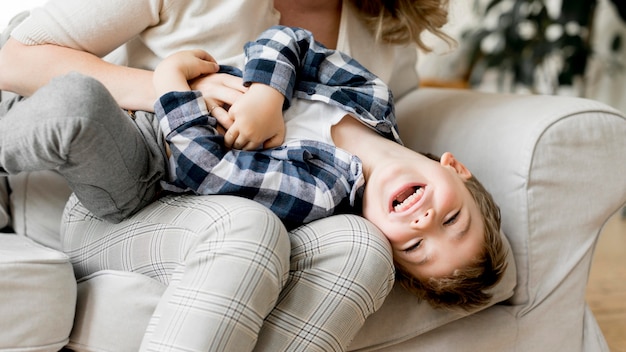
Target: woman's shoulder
(95, 26)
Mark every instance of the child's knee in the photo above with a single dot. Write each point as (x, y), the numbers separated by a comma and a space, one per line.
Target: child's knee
(73, 94)
(77, 89)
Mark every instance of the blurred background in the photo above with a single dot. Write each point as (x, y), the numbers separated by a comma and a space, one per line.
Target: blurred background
(565, 47)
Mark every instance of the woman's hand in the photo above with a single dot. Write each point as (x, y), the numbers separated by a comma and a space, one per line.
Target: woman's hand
(174, 72)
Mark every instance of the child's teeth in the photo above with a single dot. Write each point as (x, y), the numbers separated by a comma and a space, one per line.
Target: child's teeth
(409, 200)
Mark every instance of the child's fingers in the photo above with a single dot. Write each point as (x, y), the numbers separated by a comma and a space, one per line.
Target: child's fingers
(221, 115)
(210, 67)
(241, 142)
(250, 146)
(230, 137)
(219, 87)
(273, 142)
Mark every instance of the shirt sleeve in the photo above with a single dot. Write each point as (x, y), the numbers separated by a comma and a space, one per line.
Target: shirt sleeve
(300, 182)
(291, 61)
(95, 26)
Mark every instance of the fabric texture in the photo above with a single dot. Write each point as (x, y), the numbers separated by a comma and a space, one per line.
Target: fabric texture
(292, 62)
(224, 271)
(38, 296)
(5, 218)
(36, 202)
(340, 258)
(106, 291)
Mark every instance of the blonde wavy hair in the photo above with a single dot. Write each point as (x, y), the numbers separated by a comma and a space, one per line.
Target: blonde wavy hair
(403, 21)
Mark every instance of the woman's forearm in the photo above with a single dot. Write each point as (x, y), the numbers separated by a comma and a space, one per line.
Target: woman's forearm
(24, 69)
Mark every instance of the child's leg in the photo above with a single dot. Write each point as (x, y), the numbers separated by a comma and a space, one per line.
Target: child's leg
(74, 126)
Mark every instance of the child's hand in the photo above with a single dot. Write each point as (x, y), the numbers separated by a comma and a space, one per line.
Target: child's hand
(257, 119)
(219, 90)
(174, 72)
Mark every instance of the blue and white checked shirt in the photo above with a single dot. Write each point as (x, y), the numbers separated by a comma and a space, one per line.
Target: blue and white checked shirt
(300, 181)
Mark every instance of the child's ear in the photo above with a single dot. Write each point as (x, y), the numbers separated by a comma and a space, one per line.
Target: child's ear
(447, 159)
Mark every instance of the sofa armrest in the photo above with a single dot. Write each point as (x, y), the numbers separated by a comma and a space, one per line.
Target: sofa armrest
(555, 165)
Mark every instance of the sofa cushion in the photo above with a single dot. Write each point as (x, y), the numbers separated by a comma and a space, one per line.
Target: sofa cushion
(113, 311)
(38, 296)
(37, 200)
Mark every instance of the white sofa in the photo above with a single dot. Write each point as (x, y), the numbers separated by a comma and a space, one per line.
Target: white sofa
(557, 167)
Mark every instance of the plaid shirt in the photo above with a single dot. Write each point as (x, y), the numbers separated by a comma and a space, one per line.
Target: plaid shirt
(299, 181)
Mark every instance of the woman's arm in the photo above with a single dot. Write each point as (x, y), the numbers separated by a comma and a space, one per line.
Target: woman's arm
(74, 35)
(25, 68)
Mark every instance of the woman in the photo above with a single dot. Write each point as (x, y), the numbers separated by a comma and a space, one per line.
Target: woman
(239, 287)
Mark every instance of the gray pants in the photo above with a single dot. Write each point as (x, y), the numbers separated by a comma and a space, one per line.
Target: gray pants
(112, 162)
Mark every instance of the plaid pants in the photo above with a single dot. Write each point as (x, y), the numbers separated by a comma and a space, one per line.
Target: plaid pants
(237, 281)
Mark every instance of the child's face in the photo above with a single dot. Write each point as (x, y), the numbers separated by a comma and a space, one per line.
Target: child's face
(425, 210)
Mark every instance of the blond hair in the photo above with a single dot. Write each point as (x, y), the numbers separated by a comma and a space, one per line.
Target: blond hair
(468, 287)
(403, 21)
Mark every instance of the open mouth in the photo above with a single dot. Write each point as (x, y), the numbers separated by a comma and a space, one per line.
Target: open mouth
(407, 198)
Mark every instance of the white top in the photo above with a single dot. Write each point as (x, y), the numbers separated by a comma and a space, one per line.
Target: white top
(146, 31)
(311, 120)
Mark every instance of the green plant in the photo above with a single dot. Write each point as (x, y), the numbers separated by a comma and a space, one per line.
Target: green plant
(528, 42)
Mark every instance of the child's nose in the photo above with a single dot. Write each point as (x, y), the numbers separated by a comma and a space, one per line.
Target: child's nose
(424, 221)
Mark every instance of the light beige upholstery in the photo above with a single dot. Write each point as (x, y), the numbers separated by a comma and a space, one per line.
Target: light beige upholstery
(37, 296)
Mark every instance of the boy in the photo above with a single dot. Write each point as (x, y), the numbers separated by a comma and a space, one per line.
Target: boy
(340, 135)
(442, 225)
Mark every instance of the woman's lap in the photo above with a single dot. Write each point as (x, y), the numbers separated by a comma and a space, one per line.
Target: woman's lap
(224, 259)
(340, 270)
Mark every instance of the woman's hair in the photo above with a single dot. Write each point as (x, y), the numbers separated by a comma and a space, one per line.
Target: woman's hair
(466, 288)
(403, 21)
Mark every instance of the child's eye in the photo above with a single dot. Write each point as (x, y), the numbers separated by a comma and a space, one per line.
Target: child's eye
(453, 219)
(413, 247)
